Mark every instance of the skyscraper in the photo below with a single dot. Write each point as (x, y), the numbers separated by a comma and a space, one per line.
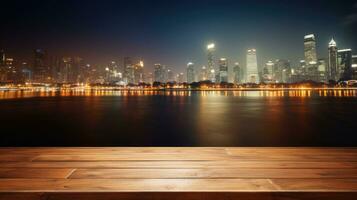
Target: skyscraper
(40, 69)
(268, 72)
(190, 72)
(344, 59)
(129, 71)
(311, 57)
(211, 66)
(310, 49)
(203, 74)
(179, 78)
(2, 66)
(282, 71)
(2, 57)
(170, 75)
(252, 75)
(354, 67)
(139, 72)
(237, 73)
(332, 61)
(160, 73)
(321, 69)
(223, 70)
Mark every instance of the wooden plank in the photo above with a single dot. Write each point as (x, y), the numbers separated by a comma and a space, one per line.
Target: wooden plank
(179, 196)
(293, 157)
(212, 173)
(182, 164)
(132, 185)
(111, 150)
(316, 185)
(291, 150)
(12, 157)
(131, 156)
(34, 173)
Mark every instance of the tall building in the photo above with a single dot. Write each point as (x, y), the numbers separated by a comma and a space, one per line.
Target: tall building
(322, 70)
(211, 65)
(160, 73)
(354, 67)
(268, 72)
(170, 75)
(310, 49)
(69, 71)
(139, 72)
(129, 71)
(149, 78)
(203, 74)
(2, 57)
(179, 78)
(252, 75)
(311, 57)
(332, 61)
(238, 75)
(282, 71)
(2, 66)
(190, 72)
(223, 70)
(344, 58)
(40, 68)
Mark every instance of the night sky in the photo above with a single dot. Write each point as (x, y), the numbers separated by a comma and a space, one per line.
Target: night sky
(173, 32)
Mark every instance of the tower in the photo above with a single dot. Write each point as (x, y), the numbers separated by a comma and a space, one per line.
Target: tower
(190, 72)
(310, 49)
(252, 75)
(332, 61)
(211, 67)
(344, 58)
(223, 70)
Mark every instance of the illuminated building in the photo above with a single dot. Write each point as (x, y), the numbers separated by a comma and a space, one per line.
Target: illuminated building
(344, 58)
(332, 61)
(223, 70)
(8, 71)
(252, 75)
(40, 68)
(310, 49)
(160, 73)
(268, 72)
(139, 72)
(237, 73)
(190, 72)
(70, 69)
(311, 57)
(282, 71)
(179, 78)
(26, 72)
(2, 66)
(211, 66)
(149, 78)
(170, 75)
(321, 69)
(354, 67)
(129, 71)
(203, 74)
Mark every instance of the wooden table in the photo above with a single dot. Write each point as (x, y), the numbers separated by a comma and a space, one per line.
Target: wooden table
(178, 173)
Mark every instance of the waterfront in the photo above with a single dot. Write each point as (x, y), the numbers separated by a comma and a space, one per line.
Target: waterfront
(179, 118)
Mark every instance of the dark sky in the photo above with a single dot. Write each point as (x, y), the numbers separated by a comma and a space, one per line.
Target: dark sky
(173, 32)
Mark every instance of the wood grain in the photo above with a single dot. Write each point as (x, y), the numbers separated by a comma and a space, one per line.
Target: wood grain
(177, 173)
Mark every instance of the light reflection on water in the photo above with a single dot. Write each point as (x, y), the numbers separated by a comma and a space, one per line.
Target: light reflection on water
(263, 93)
(179, 118)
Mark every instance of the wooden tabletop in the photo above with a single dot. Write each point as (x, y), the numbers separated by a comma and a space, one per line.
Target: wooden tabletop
(178, 173)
